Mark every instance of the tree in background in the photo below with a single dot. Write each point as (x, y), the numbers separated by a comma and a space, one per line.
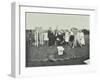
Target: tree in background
(85, 31)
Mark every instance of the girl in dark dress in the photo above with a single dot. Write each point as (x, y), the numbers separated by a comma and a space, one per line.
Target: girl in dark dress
(51, 37)
(60, 38)
(71, 38)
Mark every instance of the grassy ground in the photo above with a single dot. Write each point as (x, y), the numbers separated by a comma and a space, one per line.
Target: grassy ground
(41, 56)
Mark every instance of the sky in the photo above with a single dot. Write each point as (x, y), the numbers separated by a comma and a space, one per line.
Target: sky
(62, 21)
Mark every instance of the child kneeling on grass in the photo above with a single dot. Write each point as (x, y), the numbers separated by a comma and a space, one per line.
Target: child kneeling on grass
(60, 50)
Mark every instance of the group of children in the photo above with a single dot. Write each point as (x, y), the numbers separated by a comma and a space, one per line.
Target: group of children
(56, 37)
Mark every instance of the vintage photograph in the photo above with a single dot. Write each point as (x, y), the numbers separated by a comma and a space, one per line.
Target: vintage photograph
(54, 39)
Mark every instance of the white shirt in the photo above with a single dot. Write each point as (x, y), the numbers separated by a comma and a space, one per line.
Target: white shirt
(45, 36)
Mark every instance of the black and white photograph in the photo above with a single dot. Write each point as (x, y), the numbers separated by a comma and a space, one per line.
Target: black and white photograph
(55, 39)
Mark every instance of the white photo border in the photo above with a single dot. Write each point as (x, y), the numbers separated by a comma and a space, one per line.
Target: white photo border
(20, 68)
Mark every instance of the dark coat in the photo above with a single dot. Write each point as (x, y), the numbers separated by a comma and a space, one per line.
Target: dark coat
(51, 37)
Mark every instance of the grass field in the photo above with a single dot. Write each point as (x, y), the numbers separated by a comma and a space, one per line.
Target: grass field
(40, 56)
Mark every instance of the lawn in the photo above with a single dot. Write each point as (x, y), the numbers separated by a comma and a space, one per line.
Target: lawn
(40, 56)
